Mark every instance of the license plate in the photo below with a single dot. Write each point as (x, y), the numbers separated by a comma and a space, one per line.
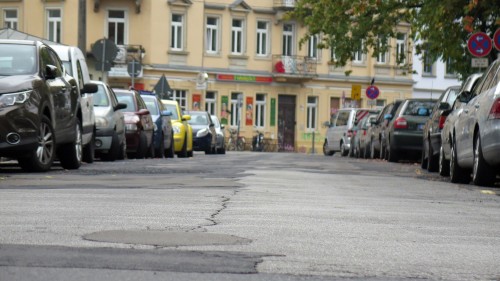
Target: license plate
(420, 127)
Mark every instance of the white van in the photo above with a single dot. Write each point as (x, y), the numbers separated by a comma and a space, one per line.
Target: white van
(76, 66)
(340, 130)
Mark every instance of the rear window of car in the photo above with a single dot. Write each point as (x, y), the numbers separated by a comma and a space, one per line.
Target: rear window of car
(198, 119)
(419, 108)
(151, 105)
(127, 99)
(172, 108)
(451, 96)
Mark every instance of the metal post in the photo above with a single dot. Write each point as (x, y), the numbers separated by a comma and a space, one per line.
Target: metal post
(133, 73)
(102, 60)
(312, 151)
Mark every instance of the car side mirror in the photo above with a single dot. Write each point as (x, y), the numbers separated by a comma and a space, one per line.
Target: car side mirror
(89, 88)
(444, 106)
(50, 71)
(464, 97)
(186, 117)
(120, 106)
(211, 125)
(222, 127)
(166, 113)
(326, 124)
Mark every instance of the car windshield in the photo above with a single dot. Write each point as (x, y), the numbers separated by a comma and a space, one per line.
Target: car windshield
(198, 119)
(17, 59)
(151, 105)
(67, 67)
(100, 98)
(173, 108)
(419, 108)
(127, 99)
(452, 96)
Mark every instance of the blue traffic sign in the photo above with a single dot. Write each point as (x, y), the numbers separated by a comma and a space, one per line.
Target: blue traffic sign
(372, 92)
(496, 39)
(479, 44)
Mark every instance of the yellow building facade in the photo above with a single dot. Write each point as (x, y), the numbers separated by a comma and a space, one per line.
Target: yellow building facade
(240, 60)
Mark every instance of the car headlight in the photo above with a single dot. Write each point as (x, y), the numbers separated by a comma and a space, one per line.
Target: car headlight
(101, 122)
(131, 127)
(203, 132)
(176, 129)
(11, 99)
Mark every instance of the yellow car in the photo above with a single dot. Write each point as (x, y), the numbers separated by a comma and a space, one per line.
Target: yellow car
(183, 133)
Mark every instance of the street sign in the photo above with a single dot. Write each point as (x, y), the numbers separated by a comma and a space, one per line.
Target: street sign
(134, 68)
(496, 39)
(372, 92)
(105, 51)
(479, 62)
(356, 92)
(479, 44)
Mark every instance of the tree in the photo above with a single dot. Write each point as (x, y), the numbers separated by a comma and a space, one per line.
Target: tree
(438, 27)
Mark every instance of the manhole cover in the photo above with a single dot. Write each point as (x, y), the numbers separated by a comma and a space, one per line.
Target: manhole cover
(165, 238)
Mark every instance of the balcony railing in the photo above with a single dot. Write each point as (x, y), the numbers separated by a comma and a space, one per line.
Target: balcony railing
(284, 4)
(294, 66)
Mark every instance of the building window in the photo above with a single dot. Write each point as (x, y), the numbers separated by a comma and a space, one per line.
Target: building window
(312, 50)
(357, 56)
(116, 26)
(212, 45)
(260, 110)
(237, 37)
(288, 40)
(382, 56)
(262, 38)
(210, 102)
(428, 64)
(235, 108)
(181, 97)
(312, 109)
(400, 48)
(176, 39)
(449, 68)
(54, 20)
(10, 18)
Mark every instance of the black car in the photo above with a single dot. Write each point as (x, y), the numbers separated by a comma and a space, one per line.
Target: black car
(204, 135)
(433, 127)
(378, 129)
(40, 114)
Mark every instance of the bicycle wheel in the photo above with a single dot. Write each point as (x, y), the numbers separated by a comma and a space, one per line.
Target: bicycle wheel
(240, 146)
(230, 145)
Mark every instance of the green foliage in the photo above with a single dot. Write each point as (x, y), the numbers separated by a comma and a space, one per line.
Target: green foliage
(440, 27)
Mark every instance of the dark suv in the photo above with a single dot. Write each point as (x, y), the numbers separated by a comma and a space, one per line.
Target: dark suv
(40, 115)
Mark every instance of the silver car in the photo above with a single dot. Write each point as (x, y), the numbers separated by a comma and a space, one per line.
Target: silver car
(475, 143)
(110, 124)
(220, 146)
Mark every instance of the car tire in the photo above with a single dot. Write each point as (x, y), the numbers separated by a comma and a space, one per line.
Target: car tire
(432, 160)
(42, 157)
(183, 153)
(114, 149)
(424, 160)
(444, 165)
(142, 148)
(160, 152)
(326, 152)
(391, 153)
(169, 153)
(89, 150)
(343, 152)
(482, 173)
(457, 174)
(382, 151)
(123, 148)
(373, 154)
(70, 154)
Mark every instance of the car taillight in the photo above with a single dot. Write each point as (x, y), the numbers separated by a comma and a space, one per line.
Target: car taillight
(400, 123)
(495, 110)
(364, 132)
(442, 119)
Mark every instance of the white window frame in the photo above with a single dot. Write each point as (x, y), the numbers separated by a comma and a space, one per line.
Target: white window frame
(211, 102)
(358, 56)
(288, 40)
(312, 47)
(382, 58)
(181, 97)
(426, 65)
(54, 25)
(263, 38)
(260, 110)
(401, 47)
(237, 37)
(177, 32)
(212, 35)
(118, 22)
(312, 113)
(235, 109)
(10, 22)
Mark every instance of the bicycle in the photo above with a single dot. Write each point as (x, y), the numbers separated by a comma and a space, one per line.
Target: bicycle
(235, 142)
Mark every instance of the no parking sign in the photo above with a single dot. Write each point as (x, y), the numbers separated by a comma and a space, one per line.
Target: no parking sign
(496, 39)
(479, 44)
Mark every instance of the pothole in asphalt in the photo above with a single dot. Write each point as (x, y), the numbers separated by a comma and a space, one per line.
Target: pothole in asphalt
(165, 238)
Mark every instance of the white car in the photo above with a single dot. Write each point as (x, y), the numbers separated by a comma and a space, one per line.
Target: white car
(220, 146)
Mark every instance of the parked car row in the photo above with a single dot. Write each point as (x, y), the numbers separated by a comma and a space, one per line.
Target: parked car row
(50, 111)
(457, 135)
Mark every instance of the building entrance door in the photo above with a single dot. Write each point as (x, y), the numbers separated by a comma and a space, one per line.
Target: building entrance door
(286, 122)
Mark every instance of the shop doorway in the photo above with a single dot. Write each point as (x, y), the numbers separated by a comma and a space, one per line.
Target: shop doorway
(286, 123)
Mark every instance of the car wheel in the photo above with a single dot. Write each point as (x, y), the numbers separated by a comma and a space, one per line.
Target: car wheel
(160, 152)
(123, 148)
(382, 151)
(114, 149)
(142, 148)
(425, 151)
(183, 153)
(444, 165)
(372, 150)
(432, 160)
(482, 173)
(70, 154)
(343, 151)
(457, 174)
(391, 153)
(326, 152)
(42, 157)
(169, 153)
(89, 149)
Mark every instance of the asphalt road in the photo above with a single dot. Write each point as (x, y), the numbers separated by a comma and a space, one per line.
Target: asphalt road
(246, 216)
